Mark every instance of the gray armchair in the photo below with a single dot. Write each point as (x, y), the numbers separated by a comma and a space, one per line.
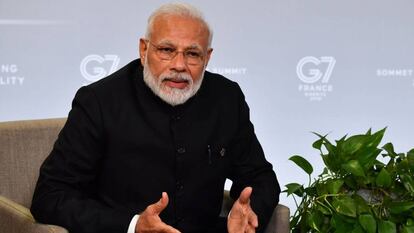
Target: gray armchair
(23, 147)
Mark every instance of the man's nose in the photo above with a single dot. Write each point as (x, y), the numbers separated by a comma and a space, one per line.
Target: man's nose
(178, 63)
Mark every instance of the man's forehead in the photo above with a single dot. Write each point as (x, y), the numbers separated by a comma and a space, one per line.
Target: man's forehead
(174, 29)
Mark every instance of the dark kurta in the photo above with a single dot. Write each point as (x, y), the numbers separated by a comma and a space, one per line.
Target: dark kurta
(122, 146)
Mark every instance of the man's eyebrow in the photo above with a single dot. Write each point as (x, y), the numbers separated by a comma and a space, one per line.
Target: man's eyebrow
(194, 46)
(166, 42)
(170, 43)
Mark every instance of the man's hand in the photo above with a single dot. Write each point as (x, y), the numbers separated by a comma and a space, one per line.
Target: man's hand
(150, 222)
(242, 219)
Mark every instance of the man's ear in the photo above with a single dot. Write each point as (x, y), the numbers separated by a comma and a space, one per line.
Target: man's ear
(142, 50)
(209, 51)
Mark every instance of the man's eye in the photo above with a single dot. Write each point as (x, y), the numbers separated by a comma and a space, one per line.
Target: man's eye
(193, 54)
(166, 50)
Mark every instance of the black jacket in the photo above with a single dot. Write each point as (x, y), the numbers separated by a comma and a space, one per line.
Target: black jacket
(122, 146)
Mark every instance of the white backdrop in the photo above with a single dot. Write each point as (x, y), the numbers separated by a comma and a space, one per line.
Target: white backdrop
(333, 67)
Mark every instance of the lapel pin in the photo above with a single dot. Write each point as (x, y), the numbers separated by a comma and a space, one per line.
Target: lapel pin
(222, 152)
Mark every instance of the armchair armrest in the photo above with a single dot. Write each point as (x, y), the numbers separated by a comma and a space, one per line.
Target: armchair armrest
(15, 218)
(279, 222)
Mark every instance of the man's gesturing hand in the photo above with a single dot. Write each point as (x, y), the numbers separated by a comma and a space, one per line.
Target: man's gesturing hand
(150, 222)
(242, 219)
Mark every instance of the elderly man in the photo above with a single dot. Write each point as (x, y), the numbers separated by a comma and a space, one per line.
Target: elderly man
(148, 149)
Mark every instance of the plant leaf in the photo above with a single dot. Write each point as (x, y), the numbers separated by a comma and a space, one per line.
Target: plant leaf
(345, 205)
(399, 207)
(324, 209)
(329, 162)
(408, 182)
(362, 206)
(341, 223)
(368, 156)
(384, 178)
(387, 227)
(411, 152)
(329, 147)
(368, 222)
(293, 188)
(375, 139)
(334, 186)
(351, 182)
(363, 143)
(311, 191)
(410, 158)
(319, 135)
(407, 229)
(354, 143)
(358, 229)
(302, 163)
(318, 144)
(354, 168)
(315, 220)
(389, 148)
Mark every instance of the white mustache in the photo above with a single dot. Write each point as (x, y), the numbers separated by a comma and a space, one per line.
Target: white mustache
(176, 77)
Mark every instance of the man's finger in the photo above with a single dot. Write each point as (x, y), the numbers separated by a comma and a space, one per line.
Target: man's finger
(244, 197)
(158, 207)
(169, 229)
(253, 221)
(250, 229)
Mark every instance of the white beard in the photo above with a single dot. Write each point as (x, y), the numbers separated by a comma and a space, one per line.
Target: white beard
(172, 96)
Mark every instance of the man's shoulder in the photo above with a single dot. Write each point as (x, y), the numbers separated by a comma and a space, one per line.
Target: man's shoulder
(219, 82)
(220, 85)
(120, 79)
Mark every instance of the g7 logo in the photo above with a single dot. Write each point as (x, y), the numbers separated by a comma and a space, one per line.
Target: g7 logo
(314, 75)
(98, 70)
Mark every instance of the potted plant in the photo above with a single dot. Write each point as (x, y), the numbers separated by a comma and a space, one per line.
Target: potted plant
(363, 188)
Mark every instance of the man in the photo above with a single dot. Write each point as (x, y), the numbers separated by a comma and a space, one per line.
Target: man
(148, 148)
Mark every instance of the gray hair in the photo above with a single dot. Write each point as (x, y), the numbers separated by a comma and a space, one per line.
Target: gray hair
(178, 9)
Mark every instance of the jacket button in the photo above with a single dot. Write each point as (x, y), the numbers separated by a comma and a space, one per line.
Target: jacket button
(181, 150)
(179, 186)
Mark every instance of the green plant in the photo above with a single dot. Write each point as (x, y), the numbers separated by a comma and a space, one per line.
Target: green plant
(357, 191)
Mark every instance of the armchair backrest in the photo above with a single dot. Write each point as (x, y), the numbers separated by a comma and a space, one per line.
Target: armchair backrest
(23, 147)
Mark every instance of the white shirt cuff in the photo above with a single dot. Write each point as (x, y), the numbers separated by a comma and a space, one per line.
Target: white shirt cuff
(132, 224)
